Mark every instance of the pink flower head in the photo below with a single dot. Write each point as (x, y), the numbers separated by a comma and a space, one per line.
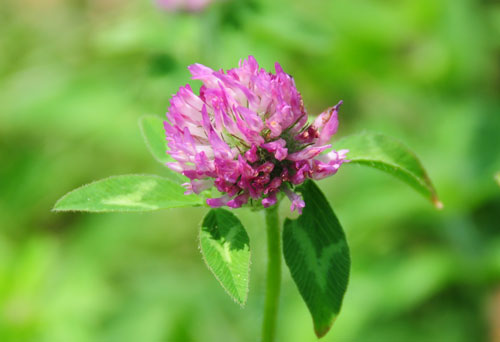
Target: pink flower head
(247, 134)
(183, 5)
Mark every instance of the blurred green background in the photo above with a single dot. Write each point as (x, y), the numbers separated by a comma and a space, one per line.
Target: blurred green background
(76, 75)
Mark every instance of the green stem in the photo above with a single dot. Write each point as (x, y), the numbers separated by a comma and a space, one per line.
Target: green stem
(273, 274)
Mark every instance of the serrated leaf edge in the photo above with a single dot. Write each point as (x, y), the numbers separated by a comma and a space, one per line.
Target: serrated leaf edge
(55, 209)
(242, 303)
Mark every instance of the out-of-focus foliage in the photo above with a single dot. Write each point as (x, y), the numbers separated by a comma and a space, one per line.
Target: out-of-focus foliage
(76, 75)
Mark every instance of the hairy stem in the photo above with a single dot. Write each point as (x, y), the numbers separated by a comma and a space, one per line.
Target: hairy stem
(273, 274)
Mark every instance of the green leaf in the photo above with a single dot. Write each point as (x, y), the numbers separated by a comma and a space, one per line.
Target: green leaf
(127, 193)
(391, 156)
(317, 255)
(497, 177)
(225, 247)
(154, 136)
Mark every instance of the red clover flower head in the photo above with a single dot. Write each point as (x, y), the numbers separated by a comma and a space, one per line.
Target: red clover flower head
(247, 134)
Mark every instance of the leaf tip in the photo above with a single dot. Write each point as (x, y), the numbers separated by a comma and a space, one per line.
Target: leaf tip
(241, 301)
(57, 205)
(437, 203)
(323, 329)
